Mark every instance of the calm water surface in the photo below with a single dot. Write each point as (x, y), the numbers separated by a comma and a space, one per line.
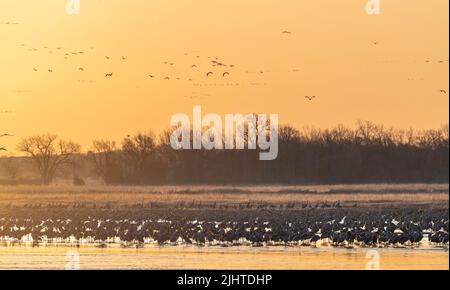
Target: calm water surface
(172, 257)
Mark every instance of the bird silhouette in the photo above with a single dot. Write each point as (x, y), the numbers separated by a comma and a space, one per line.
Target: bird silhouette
(151, 76)
(124, 58)
(375, 42)
(108, 75)
(35, 69)
(225, 74)
(167, 78)
(286, 32)
(107, 57)
(310, 98)
(50, 70)
(81, 69)
(443, 91)
(6, 135)
(9, 23)
(209, 73)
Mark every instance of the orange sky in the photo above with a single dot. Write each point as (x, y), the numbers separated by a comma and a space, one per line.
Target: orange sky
(330, 54)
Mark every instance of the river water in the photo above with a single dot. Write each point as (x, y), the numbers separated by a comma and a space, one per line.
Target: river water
(192, 257)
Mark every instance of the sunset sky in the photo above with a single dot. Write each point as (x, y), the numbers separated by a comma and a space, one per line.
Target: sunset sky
(330, 53)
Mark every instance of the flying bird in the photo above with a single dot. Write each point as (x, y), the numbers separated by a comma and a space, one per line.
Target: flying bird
(107, 57)
(167, 78)
(124, 58)
(152, 76)
(81, 69)
(286, 32)
(443, 91)
(193, 65)
(310, 98)
(35, 69)
(108, 75)
(6, 135)
(50, 70)
(375, 42)
(225, 74)
(209, 73)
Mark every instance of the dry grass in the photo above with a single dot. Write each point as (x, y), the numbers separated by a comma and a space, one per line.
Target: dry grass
(364, 193)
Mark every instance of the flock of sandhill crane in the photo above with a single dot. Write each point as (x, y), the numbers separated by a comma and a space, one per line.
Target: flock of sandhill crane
(214, 62)
(251, 224)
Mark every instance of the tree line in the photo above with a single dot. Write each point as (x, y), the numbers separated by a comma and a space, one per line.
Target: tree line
(367, 152)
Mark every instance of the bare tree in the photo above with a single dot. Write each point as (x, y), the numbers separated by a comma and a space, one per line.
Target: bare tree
(103, 155)
(138, 150)
(49, 153)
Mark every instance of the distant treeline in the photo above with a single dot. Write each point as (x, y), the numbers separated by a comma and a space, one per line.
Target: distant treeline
(365, 153)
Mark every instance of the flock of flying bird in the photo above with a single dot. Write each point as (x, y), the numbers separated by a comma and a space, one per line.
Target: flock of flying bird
(219, 68)
(214, 62)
